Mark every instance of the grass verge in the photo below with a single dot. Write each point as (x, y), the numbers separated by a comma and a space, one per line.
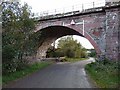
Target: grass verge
(0, 74)
(74, 59)
(0, 80)
(104, 74)
(28, 70)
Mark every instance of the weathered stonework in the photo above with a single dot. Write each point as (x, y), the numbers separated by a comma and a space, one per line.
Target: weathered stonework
(101, 27)
(112, 0)
(112, 27)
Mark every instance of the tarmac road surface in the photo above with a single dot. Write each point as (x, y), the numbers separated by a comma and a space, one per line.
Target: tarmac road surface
(59, 75)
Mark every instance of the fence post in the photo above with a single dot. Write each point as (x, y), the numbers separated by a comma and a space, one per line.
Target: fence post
(82, 7)
(63, 10)
(46, 12)
(55, 11)
(72, 8)
(93, 4)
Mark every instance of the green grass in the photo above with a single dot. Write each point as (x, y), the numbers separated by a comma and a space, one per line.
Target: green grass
(74, 59)
(0, 75)
(28, 70)
(105, 75)
(0, 80)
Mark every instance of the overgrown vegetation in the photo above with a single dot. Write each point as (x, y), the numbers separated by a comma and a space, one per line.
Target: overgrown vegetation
(67, 47)
(92, 53)
(74, 59)
(0, 75)
(17, 30)
(26, 71)
(105, 73)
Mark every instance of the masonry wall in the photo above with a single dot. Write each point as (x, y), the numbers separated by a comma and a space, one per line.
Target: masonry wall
(94, 24)
(112, 29)
(103, 26)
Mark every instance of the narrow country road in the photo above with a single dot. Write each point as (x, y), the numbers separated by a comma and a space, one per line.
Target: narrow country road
(59, 75)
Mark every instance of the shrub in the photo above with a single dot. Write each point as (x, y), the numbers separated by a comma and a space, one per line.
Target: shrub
(105, 73)
(13, 66)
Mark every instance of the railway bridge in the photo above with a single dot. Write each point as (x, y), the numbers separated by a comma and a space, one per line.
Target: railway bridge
(100, 25)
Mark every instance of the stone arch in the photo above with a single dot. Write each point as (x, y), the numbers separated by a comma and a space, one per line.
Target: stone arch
(56, 31)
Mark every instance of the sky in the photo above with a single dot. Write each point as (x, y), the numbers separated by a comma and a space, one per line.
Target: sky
(39, 6)
(83, 41)
(51, 5)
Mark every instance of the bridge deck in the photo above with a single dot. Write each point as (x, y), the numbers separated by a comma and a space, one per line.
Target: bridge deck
(76, 13)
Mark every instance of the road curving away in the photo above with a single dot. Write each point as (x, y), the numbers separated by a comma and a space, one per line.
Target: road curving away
(59, 75)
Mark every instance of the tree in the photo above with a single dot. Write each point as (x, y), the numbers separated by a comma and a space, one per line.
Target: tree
(71, 48)
(17, 25)
(92, 53)
(83, 53)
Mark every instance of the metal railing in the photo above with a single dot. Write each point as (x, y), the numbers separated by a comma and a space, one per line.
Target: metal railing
(78, 7)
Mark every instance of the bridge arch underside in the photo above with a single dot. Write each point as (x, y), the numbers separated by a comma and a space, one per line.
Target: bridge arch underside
(52, 33)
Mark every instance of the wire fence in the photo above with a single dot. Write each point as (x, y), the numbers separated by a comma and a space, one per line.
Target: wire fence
(78, 7)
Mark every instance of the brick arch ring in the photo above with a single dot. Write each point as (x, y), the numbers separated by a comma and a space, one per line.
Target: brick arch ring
(77, 29)
(87, 36)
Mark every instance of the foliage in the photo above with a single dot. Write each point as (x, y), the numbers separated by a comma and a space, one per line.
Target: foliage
(104, 73)
(18, 25)
(74, 59)
(68, 47)
(93, 53)
(28, 70)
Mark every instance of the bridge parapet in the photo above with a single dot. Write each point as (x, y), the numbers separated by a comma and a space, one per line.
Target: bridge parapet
(100, 27)
(79, 12)
(68, 14)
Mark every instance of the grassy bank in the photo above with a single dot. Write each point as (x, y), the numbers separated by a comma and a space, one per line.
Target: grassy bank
(28, 70)
(0, 74)
(0, 80)
(74, 59)
(105, 74)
